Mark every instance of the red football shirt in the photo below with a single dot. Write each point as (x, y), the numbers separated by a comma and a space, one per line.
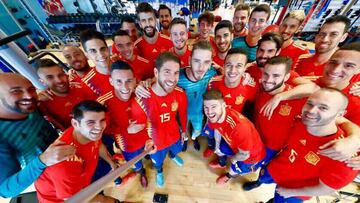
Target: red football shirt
(143, 68)
(60, 107)
(236, 97)
(185, 58)
(73, 74)
(152, 51)
(97, 82)
(293, 51)
(119, 112)
(307, 67)
(216, 59)
(240, 133)
(160, 115)
(306, 165)
(275, 132)
(62, 180)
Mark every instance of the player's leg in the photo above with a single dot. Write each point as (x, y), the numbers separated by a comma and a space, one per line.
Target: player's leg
(158, 160)
(138, 166)
(174, 150)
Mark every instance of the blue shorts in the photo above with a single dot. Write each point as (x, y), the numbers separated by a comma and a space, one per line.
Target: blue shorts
(225, 148)
(130, 155)
(269, 155)
(158, 157)
(208, 132)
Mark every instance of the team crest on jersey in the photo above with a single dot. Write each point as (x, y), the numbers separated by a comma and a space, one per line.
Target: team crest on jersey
(312, 158)
(228, 96)
(285, 110)
(303, 142)
(174, 106)
(154, 51)
(239, 100)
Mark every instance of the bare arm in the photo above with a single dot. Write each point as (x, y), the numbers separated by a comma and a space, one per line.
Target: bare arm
(104, 154)
(317, 190)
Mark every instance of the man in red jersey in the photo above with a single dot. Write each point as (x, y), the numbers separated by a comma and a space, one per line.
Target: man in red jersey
(143, 68)
(312, 174)
(223, 38)
(152, 43)
(331, 33)
(64, 97)
(179, 37)
(205, 26)
(61, 181)
(127, 24)
(288, 28)
(165, 18)
(163, 113)
(235, 136)
(240, 20)
(96, 50)
(118, 101)
(77, 60)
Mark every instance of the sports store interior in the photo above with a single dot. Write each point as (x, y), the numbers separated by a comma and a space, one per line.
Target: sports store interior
(32, 30)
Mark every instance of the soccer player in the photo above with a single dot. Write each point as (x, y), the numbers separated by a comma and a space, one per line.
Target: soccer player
(127, 24)
(288, 28)
(143, 68)
(163, 112)
(240, 20)
(179, 37)
(235, 136)
(165, 18)
(223, 38)
(206, 24)
(26, 137)
(77, 60)
(64, 97)
(118, 101)
(312, 174)
(152, 43)
(61, 181)
(257, 23)
(96, 50)
(331, 33)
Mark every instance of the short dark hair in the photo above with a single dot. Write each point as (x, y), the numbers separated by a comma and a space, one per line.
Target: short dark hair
(86, 106)
(274, 37)
(223, 24)
(127, 19)
(145, 7)
(338, 19)
(354, 46)
(165, 57)
(45, 63)
(205, 45)
(120, 65)
(120, 33)
(163, 6)
(90, 34)
(281, 60)
(213, 94)
(262, 8)
(236, 51)
(242, 7)
(208, 17)
(176, 21)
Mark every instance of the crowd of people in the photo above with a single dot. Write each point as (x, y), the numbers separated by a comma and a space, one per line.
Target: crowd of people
(263, 102)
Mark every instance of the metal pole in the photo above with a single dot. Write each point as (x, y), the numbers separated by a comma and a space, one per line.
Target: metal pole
(90, 191)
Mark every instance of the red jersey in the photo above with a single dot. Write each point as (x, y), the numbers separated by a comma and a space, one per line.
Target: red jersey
(306, 165)
(236, 97)
(185, 58)
(143, 68)
(119, 112)
(355, 78)
(97, 82)
(73, 75)
(275, 132)
(60, 107)
(294, 51)
(216, 59)
(307, 67)
(152, 51)
(243, 33)
(240, 133)
(352, 111)
(160, 115)
(63, 180)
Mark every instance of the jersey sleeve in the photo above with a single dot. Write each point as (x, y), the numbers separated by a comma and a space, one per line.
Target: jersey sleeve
(183, 111)
(13, 179)
(138, 111)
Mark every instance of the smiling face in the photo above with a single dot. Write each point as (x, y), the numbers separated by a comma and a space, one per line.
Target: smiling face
(75, 57)
(214, 110)
(179, 36)
(55, 78)
(288, 28)
(205, 29)
(98, 52)
(234, 68)
(147, 23)
(264, 52)
(125, 46)
(200, 63)
(124, 83)
(91, 126)
(168, 76)
(240, 20)
(257, 23)
(164, 18)
(273, 77)
(223, 38)
(329, 37)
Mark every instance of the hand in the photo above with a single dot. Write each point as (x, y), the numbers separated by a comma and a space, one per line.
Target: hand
(270, 106)
(57, 152)
(183, 137)
(113, 165)
(285, 192)
(150, 145)
(45, 95)
(114, 58)
(247, 79)
(340, 150)
(355, 89)
(141, 91)
(354, 163)
(134, 128)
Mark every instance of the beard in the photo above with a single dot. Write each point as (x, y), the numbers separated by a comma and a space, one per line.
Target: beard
(17, 106)
(259, 63)
(151, 33)
(275, 87)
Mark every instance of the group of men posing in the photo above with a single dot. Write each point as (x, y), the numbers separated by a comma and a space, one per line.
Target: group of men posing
(268, 104)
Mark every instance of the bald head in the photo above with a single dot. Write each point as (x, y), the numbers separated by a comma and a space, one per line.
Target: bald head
(75, 57)
(17, 94)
